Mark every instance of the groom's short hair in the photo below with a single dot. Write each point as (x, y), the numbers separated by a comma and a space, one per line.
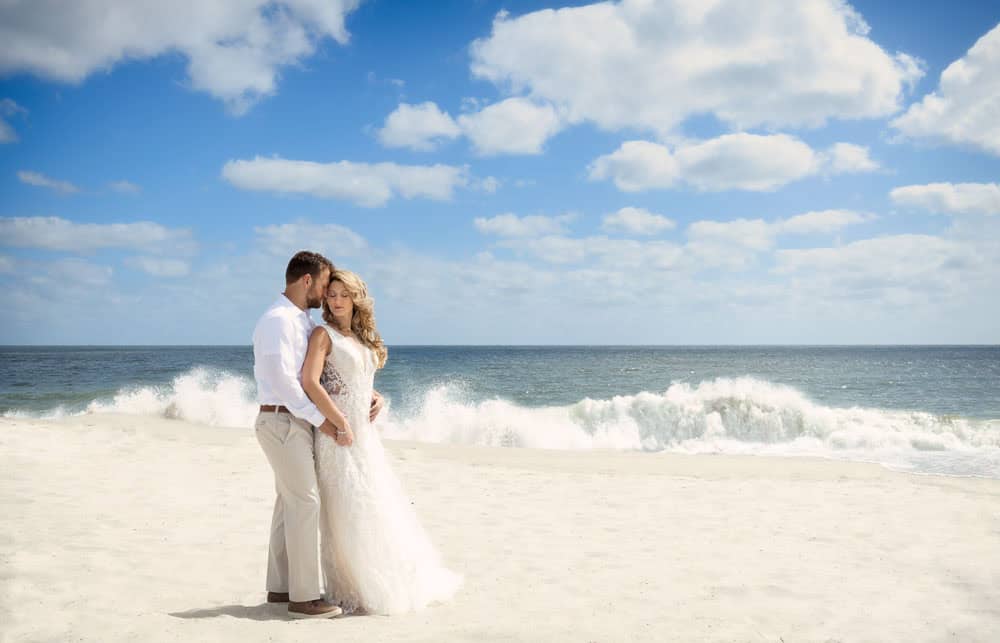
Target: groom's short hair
(306, 263)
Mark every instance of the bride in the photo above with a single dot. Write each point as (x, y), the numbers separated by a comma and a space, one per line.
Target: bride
(376, 557)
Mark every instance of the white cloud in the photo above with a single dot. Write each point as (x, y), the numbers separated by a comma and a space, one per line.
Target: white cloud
(75, 271)
(736, 244)
(636, 221)
(53, 233)
(965, 108)
(637, 165)
(329, 239)
(125, 187)
(419, 127)
(490, 184)
(903, 270)
(581, 290)
(234, 49)
(616, 254)
(730, 162)
(844, 158)
(366, 184)
(160, 267)
(746, 162)
(42, 181)
(7, 133)
(511, 225)
(9, 108)
(6, 265)
(512, 126)
(651, 65)
(755, 234)
(821, 222)
(950, 198)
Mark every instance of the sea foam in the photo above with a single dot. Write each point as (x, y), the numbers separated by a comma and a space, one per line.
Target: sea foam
(202, 396)
(725, 415)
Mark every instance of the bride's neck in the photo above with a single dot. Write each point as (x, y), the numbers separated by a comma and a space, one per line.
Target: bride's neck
(341, 329)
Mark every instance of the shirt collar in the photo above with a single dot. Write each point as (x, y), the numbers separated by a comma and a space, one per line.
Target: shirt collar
(285, 302)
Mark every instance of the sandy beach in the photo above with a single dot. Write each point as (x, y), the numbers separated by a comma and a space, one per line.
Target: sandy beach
(132, 528)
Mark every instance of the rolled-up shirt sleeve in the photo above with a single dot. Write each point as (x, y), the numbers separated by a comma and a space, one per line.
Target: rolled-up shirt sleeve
(276, 360)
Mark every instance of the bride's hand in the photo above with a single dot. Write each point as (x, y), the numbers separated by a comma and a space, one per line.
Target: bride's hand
(344, 436)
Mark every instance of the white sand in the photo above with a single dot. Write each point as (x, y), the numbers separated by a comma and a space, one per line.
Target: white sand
(126, 528)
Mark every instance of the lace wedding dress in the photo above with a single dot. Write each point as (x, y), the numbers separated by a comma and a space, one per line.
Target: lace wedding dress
(376, 556)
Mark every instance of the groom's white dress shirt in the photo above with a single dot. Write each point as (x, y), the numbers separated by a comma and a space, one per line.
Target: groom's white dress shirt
(280, 341)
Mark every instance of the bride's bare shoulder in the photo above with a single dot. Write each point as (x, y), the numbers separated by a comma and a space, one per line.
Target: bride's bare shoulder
(319, 338)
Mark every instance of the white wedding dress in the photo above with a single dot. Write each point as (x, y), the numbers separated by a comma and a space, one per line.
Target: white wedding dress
(376, 556)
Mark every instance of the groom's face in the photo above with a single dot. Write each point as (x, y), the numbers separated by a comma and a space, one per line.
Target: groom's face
(316, 292)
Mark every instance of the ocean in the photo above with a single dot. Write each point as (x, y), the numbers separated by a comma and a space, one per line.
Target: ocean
(927, 409)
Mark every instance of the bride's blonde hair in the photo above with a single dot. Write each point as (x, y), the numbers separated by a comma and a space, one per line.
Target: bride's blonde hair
(363, 318)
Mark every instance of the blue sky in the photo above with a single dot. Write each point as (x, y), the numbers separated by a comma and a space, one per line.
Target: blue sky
(504, 172)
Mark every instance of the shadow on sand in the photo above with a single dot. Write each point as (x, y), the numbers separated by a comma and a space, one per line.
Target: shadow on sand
(262, 612)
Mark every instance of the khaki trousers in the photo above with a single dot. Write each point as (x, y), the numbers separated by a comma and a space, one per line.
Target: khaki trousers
(293, 557)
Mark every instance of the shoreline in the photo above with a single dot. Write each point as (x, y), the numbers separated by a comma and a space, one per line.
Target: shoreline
(131, 527)
(116, 418)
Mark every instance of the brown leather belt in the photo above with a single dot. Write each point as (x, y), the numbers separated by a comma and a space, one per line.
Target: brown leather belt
(273, 408)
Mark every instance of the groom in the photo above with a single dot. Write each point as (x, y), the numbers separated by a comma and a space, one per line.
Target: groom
(284, 429)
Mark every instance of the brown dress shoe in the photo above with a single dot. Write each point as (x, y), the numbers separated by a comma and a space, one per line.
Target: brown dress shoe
(277, 597)
(313, 609)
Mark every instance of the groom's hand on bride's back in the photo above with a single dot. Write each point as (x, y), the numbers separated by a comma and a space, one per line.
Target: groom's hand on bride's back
(377, 404)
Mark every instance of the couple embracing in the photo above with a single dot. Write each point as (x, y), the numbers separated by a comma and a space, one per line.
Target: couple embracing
(341, 515)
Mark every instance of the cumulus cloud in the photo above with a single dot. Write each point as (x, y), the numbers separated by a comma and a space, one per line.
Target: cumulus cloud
(736, 244)
(54, 233)
(733, 245)
(965, 107)
(9, 108)
(42, 181)
(755, 234)
(741, 161)
(636, 221)
(844, 158)
(950, 198)
(234, 48)
(905, 268)
(746, 162)
(511, 126)
(651, 65)
(419, 127)
(74, 271)
(604, 252)
(159, 266)
(660, 291)
(125, 187)
(366, 184)
(329, 239)
(760, 234)
(489, 184)
(511, 225)
(636, 166)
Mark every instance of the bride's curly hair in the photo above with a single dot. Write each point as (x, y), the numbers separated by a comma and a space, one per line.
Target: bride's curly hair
(363, 318)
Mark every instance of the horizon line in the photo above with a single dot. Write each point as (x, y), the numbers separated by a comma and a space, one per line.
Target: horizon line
(748, 345)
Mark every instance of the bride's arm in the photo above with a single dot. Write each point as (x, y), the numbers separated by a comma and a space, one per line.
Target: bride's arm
(312, 368)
